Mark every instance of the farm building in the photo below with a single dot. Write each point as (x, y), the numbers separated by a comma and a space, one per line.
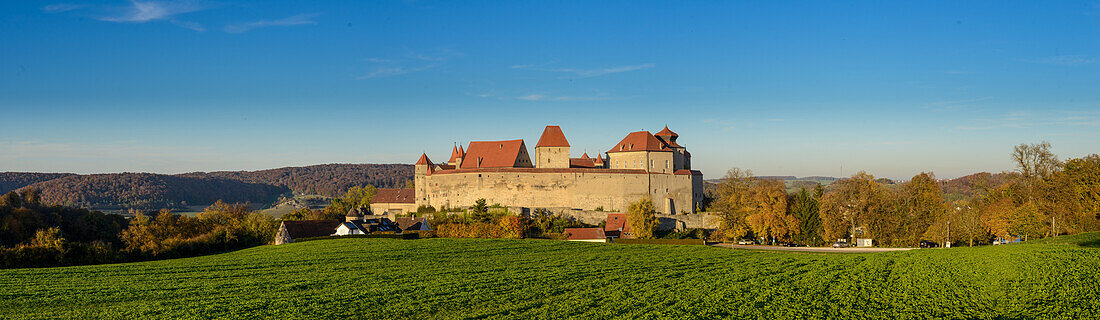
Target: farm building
(617, 227)
(585, 234)
(290, 230)
(413, 224)
(392, 202)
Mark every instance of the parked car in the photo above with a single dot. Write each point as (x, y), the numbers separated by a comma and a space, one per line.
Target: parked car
(925, 244)
(745, 242)
(792, 244)
(840, 243)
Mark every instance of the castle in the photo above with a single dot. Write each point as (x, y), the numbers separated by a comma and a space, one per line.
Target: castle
(502, 172)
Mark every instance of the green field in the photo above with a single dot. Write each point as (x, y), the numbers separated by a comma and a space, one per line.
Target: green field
(490, 279)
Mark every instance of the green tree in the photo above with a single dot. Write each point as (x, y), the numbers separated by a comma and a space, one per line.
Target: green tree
(858, 204)
(922, 206)
(297, 215)
(642, 217)
(480, 211)
(804, 207)
(11, 199)
(50, 238)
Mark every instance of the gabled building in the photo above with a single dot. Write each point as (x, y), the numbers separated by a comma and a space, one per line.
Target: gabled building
(585, 234)
(393, 202)
(641, 165)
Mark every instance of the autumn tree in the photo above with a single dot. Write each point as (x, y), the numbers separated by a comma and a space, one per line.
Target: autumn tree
(922, 205)
(857, 203)
(642, 217)
(733, 203)
(767, 216)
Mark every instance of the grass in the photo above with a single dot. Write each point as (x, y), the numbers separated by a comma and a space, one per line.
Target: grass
(541, 279)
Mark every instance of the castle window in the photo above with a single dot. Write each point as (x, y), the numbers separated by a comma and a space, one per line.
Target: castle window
(666, 164)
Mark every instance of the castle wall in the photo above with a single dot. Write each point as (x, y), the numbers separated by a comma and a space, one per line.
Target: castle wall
(579, 189)
(662, 162)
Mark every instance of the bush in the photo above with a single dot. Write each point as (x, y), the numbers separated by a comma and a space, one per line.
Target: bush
(661, 241)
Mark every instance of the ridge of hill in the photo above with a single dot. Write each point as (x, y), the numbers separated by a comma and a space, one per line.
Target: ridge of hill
(150, 191)
(15, 180)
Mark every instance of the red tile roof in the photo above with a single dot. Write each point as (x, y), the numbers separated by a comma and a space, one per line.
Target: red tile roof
(584, 234)
(494, 154)
(688, 172)
(311, 228)
(394, 196)
(616, 224)
(412, 223)
(585, 156)
(582, 163)
(599, 161)
(639, 141)
(455, 154)
(552, 137)
(666, 132)
(424, 159)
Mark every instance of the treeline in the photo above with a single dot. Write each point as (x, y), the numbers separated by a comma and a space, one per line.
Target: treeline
(35, 235)
(327, 179)
(10, 181)
(148, 191)
(1046, 197)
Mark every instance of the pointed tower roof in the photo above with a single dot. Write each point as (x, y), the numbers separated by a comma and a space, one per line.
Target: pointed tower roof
(666, 133)
(455, 154)
(552, 137)
(424, 159)
(599, 160)
(639, 141)
(585, 156)
(461, 153)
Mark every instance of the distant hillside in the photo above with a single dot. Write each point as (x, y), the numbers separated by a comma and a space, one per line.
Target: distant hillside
(325, 179)
(14, 180)
(151, 191)
(975, 185)
(155, 191)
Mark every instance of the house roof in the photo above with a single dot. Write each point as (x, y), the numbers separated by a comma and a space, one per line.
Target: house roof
(412, 223)
(552, 137)
(582, 163)
(354, 213)
(584, 233)
(687, 172)
(616, 222)
(598, 161)
(585, 156)
(493, 154)
(310, 228)
(639, 141)
(666, 133)
(424, 159)
(394, 196)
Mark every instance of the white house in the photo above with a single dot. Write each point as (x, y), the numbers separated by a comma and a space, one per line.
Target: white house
(349, 228)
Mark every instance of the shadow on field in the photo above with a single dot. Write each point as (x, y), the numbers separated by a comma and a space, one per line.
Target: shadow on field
(1094, 243)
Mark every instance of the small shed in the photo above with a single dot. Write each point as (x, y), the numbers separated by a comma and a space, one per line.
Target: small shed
(616, 226)
(412, 224)
(864, 242)
(585, 234)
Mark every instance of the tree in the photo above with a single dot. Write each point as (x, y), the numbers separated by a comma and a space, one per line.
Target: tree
(768, 210)
(857, 204)
(733, 203)
(1083, 177)
(11, 199)
(32, 197)
(1035, 162)
(642, 217)
(50, 238)
(359, 197)
(804, 207)
(480, 211)
(922, 201)
(297, 215)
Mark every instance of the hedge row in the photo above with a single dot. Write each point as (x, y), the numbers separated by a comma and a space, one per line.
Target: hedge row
(659, 241)
(404, 236)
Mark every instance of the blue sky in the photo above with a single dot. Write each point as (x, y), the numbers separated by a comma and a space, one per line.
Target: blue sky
(791, 88)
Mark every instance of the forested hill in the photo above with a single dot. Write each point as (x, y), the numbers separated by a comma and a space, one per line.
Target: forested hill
(324, 179)
(151, 191)
(154, 191)
(14, 180)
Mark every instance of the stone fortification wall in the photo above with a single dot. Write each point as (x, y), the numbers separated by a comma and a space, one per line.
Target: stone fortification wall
(612, 190)
(667, 222)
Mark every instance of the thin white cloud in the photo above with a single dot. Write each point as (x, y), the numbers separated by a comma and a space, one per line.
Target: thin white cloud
(393, 71)
(145, 11)
(62, 7)
(1022, 119)
(301, 19)
(588, 73)
(532, 97)
(1065, 60)
(413, 62)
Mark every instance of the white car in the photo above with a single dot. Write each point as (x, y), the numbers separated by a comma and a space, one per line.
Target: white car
(744, 242)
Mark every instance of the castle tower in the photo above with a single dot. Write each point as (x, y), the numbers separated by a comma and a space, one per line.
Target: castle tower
(420, 178)
(552, 151)
(681, 158)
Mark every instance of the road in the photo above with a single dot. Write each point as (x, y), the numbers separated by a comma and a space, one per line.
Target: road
(811, 249)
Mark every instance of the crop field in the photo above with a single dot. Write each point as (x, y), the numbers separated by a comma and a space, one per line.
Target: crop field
(541, 279)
